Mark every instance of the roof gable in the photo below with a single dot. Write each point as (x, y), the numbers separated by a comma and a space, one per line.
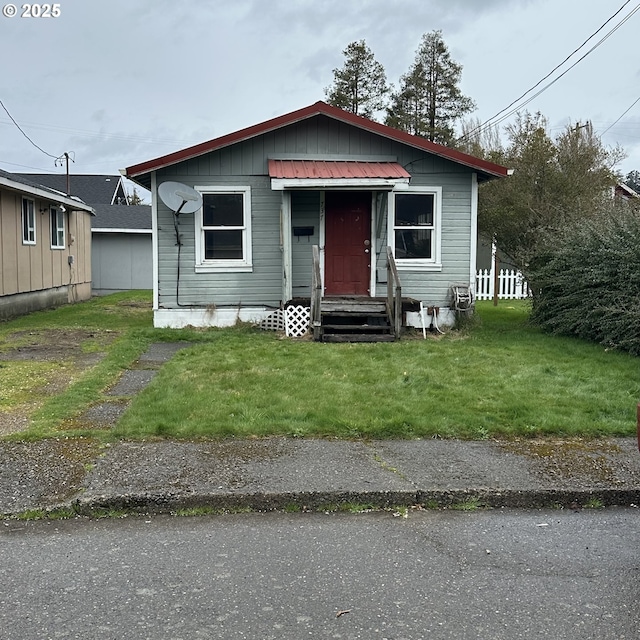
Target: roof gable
(485, 168)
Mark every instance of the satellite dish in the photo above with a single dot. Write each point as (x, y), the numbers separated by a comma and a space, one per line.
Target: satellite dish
(179, 197)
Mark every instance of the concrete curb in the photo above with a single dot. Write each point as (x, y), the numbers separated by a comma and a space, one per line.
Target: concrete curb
(459, 499)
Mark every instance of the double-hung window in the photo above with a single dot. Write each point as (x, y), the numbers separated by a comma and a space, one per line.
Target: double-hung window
(57, 228)
(28, 221)
(223, 229)
(414, 227)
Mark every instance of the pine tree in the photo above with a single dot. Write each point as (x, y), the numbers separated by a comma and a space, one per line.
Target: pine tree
(134, 198)
(361, 85)
(429, 100)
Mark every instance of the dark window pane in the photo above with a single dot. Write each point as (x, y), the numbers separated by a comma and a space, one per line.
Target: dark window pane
(413, 243)
(413, 209)
(223, 245)
(223, 210)
(25, 221)
(28, 221)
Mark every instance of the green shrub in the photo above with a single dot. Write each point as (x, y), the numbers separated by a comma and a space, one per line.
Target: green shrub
(587, 283)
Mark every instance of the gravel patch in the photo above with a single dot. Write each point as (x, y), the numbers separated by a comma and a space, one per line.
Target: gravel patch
(41, 474)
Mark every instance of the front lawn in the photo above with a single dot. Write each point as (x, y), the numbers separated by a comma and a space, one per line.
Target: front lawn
(501, 377)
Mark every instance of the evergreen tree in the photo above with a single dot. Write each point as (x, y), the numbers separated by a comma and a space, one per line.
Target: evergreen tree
(361, 85)
(429, 100)
(134, 198)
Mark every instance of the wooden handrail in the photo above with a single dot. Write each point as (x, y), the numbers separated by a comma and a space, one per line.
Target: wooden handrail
(394, 294)
(316, 292)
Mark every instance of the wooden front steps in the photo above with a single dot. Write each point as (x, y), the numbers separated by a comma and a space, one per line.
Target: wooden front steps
(354, 320)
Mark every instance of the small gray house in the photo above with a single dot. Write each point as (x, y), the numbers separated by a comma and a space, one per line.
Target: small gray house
(315, 207)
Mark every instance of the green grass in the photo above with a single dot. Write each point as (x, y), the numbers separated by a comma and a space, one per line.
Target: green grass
(503, 378)
(500, 377)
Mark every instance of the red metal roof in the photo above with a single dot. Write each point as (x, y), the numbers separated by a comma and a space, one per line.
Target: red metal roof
(335, 169)
(485, 169)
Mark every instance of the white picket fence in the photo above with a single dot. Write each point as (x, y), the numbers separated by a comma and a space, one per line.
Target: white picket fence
(511, 285)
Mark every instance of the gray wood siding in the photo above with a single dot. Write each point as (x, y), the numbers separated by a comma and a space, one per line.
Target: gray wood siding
(261, 286)
(434, 286)
(305, 212)
(246, 164)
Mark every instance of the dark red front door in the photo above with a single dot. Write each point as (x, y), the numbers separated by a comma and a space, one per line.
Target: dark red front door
(347, 252)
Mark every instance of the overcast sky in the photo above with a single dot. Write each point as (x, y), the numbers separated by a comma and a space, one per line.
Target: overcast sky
(118, 82)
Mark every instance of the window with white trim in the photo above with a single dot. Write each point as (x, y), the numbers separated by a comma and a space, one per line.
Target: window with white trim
(28, 221)
(223, 229)
(57, 228)
(414, 226)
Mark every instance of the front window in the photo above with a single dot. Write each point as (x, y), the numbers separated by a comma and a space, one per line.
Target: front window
(224, 229)
(414, 216)
(57, 228)
(414, 225)
(28, 221)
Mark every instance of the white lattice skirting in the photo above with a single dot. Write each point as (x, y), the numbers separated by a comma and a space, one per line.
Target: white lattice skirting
(274, 321)
(296, 321)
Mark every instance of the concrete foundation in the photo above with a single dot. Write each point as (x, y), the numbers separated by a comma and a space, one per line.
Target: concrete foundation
(20, 304)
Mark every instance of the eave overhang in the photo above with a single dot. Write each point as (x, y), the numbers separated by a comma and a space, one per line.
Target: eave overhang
(45, 194)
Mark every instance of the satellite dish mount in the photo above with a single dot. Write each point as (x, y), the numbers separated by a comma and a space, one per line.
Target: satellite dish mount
(179, 197)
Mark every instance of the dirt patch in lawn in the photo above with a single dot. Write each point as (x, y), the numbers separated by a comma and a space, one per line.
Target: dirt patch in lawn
(35, 365)
(56, 344)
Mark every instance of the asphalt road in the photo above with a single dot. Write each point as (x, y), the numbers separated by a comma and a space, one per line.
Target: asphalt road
(498, 574)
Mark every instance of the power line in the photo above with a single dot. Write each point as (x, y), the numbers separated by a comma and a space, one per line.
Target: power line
(25, 135)
(110, 136)
(26, 166)
(494, 120)
(633, 104)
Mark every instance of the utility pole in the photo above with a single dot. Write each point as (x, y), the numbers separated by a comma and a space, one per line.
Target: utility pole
(66, 157)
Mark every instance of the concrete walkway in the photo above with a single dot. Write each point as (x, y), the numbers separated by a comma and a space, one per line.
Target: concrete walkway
(289, 473)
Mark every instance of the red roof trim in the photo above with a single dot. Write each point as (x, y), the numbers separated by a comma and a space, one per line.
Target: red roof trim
(335, 169)
(319, 108)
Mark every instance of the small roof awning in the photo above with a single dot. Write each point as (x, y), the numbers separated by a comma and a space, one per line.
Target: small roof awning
(292, 174)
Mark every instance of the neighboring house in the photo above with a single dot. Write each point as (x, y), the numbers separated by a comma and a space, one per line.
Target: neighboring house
(90, 188)
(317, 176)
(625, 192)
(122, 250)
(45, 247)
(121, 233)
(486, 256)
